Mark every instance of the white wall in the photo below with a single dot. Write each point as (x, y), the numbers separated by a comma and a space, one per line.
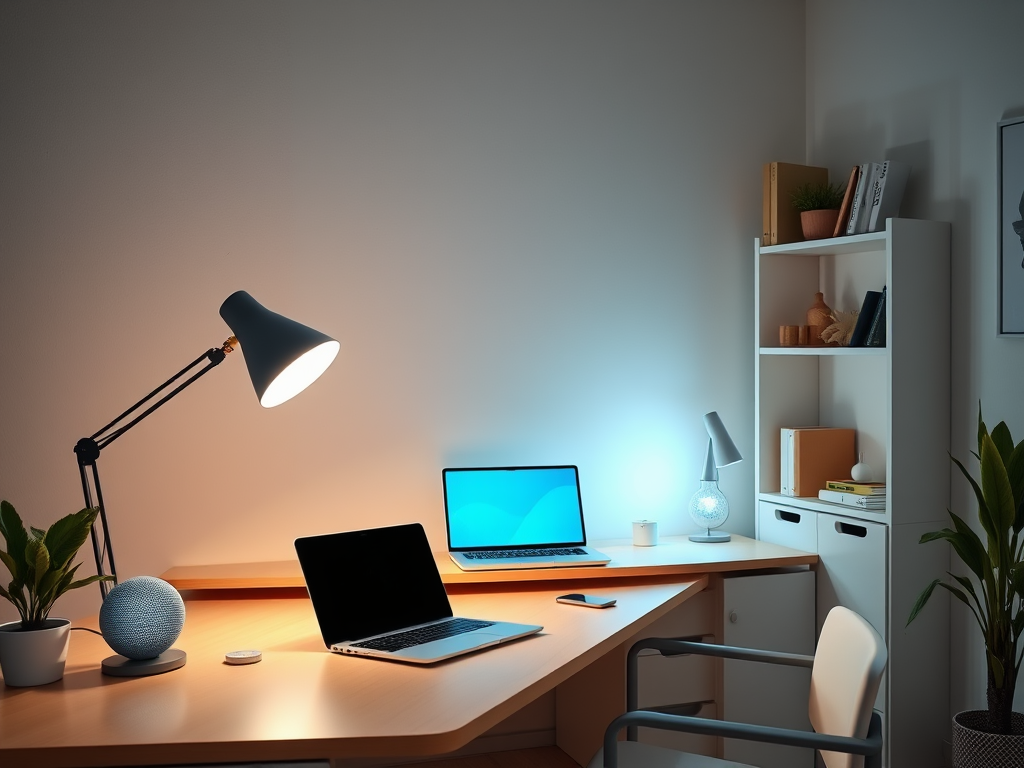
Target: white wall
(529, 223)
(927, 82)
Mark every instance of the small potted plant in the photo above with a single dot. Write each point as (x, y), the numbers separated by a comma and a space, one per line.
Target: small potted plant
(994, 737)
(33, 650)
(819, 208)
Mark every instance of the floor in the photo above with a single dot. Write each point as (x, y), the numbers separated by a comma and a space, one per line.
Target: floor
(538, 757)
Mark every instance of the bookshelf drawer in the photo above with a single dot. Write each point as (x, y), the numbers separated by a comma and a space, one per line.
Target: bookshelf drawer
(787, 526)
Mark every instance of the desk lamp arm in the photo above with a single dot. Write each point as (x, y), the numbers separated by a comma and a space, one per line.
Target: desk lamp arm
(88, 451)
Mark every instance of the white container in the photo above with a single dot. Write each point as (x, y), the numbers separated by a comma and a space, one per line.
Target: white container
(645, 533)
(34, 657)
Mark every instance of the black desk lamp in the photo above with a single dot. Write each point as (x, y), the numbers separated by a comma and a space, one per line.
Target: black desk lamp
(283, 357)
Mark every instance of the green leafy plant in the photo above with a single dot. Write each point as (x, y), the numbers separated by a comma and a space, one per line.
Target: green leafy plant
(818, 197)
(40, 562)
(996, 563)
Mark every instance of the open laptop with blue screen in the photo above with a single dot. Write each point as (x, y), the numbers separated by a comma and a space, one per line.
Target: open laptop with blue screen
(516, 517)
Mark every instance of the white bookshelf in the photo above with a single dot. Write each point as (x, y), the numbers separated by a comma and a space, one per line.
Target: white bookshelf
(898, 400)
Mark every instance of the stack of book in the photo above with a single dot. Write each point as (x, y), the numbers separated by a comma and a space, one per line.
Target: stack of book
(869, 496)
(873, 194)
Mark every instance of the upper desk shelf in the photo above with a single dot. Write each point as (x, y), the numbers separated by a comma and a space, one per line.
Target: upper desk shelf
(674, 556)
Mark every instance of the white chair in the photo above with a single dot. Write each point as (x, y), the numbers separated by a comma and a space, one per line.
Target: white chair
(846, 670)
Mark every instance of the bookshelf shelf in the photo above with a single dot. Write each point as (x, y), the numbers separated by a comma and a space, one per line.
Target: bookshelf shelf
(824, 351)
(833, 246)
(897, 398)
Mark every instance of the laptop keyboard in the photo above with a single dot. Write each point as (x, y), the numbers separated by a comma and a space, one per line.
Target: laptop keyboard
(409, 638)
(514, 553)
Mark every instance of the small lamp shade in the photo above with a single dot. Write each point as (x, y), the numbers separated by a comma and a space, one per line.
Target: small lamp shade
(725, 449)
(283, 356)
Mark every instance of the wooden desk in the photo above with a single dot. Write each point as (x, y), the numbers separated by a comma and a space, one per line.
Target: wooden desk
(302, 702)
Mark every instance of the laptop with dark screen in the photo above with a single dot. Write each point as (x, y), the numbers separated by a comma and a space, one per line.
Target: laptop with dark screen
(377, 592)
(516, 517)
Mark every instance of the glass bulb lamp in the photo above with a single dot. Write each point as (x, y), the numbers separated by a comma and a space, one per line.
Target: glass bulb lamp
(709, 508)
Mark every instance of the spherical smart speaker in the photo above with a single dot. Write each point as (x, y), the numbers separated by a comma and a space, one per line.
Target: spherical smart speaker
(140, 619)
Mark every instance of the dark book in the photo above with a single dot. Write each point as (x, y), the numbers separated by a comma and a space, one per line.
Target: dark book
(867, 314)
(876, 332)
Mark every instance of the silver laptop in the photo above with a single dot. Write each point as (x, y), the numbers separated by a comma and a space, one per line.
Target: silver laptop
(377, 592)
(516, 517)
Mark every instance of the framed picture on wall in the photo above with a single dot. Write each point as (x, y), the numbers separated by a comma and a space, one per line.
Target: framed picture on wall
(1010, 195)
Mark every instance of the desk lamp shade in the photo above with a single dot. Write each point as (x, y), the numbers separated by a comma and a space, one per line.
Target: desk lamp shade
(709, 508)
(283, 356)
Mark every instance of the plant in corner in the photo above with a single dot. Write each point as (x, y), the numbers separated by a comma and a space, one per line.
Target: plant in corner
(997, 564)
(41, 569)
(819, 208)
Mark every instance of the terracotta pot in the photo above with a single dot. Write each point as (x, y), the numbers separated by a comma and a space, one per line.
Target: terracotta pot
(973, 748)
(817, 225)
(35, 656)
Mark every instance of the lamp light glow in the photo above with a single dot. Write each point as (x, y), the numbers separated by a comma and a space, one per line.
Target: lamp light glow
(300, 374)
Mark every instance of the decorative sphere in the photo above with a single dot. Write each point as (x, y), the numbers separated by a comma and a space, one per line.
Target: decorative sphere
(861, 473)
(142, 617)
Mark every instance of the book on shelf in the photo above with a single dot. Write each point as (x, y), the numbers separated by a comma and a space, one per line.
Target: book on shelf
(876, 331)
(887, 194)
(852, 486)
(781, 221)
(864, 214)
(811, 455)
(857, 202)
(844, 209)
(853, 500)
(867, 314)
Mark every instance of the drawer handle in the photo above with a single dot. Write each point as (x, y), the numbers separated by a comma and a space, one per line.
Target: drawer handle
(852, 530)
(787, 517)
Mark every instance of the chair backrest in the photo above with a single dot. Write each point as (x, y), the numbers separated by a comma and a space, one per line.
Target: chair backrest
(848, 666)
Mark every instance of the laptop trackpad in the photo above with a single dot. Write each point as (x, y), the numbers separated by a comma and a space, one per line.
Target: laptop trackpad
(449, 646)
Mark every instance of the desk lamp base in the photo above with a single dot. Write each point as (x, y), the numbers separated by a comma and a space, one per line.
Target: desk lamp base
(711, 537)
(121, 666)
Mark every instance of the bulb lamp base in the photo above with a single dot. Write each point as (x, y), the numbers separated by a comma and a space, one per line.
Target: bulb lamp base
(711, 537)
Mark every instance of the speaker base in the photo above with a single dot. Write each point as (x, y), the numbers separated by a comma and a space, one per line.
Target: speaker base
(120, 666)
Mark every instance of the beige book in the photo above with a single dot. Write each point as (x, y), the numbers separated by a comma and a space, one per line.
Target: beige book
(782, 220)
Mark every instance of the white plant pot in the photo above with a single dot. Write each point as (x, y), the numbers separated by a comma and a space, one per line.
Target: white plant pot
(34, 657)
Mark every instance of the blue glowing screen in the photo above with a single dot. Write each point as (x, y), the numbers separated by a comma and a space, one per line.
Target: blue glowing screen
(510, 507)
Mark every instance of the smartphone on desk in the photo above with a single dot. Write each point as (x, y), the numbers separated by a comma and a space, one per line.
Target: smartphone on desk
(590, 601)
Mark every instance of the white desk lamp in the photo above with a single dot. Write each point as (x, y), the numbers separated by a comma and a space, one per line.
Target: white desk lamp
(709, 507)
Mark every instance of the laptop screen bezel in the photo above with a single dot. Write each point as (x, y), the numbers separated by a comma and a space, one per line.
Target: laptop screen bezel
(512, 547)
(331, 596)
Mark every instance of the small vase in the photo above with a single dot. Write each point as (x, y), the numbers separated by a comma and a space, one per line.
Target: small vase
(819, 317)
(975, 748)
(817, 225)
(34, 656)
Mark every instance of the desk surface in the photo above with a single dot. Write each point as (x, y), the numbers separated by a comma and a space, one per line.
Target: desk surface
(674, 556)
(302, 702)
